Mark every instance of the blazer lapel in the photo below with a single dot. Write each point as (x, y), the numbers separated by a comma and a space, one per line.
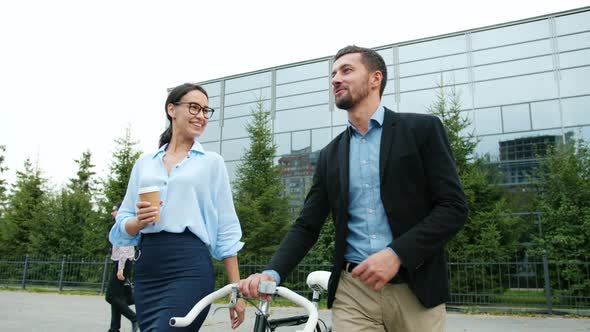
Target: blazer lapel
(387, 133)
(343, 165)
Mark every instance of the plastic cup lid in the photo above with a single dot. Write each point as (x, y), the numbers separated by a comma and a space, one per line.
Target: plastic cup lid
(148, 189)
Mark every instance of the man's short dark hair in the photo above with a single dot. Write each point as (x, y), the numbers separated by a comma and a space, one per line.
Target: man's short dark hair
(370, 58)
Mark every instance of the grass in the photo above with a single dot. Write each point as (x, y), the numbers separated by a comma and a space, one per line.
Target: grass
(522, 296)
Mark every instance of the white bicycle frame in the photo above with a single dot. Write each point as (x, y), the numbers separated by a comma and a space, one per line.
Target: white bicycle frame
(317, 281)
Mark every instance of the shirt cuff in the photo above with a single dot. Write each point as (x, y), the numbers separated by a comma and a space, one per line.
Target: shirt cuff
(123, 229)
(393, 251)
(222, 253)
(274, 274)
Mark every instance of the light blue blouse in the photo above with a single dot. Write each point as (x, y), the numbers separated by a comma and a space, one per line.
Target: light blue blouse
(196, 196)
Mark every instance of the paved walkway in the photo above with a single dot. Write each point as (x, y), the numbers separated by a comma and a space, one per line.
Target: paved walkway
(30, 312)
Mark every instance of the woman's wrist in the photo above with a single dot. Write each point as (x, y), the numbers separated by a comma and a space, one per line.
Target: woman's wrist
(139, 223)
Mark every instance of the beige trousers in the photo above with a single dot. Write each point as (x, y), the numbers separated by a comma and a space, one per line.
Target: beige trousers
(394, 308)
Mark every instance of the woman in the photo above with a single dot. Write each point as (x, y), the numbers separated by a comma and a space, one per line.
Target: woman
(116, 296)
(197, 220)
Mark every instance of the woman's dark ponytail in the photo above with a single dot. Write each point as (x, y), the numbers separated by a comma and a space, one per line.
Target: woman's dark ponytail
(166, 136)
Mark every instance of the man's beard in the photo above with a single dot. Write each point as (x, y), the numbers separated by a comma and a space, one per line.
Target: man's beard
(347, 102)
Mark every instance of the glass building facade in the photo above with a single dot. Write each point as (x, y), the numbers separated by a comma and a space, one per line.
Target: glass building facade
(521, 84)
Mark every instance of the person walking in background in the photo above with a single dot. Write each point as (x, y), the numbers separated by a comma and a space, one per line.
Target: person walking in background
(197, 219)
(389, 180)
(122, 264)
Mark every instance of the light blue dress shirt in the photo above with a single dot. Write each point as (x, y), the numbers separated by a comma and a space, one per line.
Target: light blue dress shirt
(368, 228)
(196, 196)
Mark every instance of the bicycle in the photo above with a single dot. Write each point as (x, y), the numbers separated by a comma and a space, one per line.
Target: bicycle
(317, 282)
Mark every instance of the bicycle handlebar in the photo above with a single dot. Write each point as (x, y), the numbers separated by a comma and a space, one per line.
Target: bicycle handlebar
(196, 310)
(227, 289)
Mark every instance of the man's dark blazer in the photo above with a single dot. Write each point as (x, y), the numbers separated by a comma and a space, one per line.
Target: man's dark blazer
(421, 194)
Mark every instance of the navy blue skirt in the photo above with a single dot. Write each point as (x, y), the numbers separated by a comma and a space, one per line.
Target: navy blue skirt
(172, 273)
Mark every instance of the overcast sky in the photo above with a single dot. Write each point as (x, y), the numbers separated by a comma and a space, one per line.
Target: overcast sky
(75, 74)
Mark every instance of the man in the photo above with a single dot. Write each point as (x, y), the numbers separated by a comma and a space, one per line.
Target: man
(390, 183)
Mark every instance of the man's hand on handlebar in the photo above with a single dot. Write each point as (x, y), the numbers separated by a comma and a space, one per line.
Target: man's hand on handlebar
(249, 286)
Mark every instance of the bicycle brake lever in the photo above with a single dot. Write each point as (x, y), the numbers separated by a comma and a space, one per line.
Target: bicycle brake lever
(228, 306)
(232, 301)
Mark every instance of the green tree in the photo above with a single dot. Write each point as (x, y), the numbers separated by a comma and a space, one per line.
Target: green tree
(114, 187)
(84, 182)
(260, 204)
(25, 208)
(563, 198)
(70, 212)
(490, 233)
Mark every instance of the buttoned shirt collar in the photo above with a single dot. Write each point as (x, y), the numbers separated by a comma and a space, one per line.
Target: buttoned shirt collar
(375, 120)
(197, 148)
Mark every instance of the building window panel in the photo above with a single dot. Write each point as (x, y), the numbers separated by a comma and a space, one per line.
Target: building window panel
(302, 118)
(433, 65)
(417, 101)
(247, 96)
(575, 81)
(504, 53)
(518, 67)
(516, 118)
(234, 128)
(574, 42)
(433, 80)
(573, 23)
(320, 138)
(387, 55)
(338, 130)
(244, 109)
(390, 86)
(510, 34)
(211, 146)
(515, 155)
(211, 133)
(213, 89)
(545, 114)
(526, 145)
(307, 99)
(283, 142)
(572, 59)
(234, 149)
(301, 140)
(303, 87)
(389, 102)
(214, 102)
(581, 132)
(488, 121)
(515, 90)
(250, 82)
(432, 48)
(339, 116)
(576, 111)
(303, 72)
(232, 169)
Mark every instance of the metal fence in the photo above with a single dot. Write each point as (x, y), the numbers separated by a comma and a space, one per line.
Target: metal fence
(524, 283)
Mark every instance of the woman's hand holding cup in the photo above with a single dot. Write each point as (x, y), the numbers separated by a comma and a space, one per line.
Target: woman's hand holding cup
(146, 213)
(148, 208)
